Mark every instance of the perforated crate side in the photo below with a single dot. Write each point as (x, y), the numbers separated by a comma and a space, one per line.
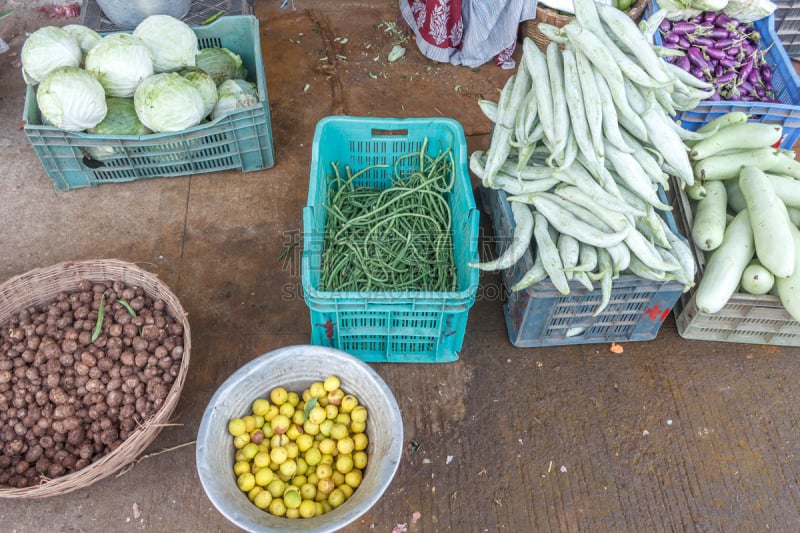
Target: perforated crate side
(405, 331)
(746, 318)
(406, 326)
(239, 140)
(784, 79)
(787, 26)
(541, 316)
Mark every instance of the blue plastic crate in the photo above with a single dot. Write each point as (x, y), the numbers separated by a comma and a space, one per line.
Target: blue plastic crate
(239, 140)
(541, 316)
(784, 80)
(408, 326)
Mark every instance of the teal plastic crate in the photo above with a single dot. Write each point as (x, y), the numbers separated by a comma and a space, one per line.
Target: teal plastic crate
(239, 140)
(784, 80)
(407, 326)
(541, 316)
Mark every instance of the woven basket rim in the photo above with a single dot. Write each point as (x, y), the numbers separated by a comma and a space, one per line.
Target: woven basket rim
(551, 16)
(636, 10)
(139, 440)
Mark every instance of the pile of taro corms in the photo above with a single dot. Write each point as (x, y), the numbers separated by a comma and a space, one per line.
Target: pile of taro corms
(79, 375)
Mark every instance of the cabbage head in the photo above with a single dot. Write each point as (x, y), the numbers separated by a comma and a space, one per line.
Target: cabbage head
(72, 99)
(204, 84)
(120, 62)
(85, 36)
(221, 64)
(120, 119)
(172, 43)
(168, 102)
(233, 95)
(47, 49)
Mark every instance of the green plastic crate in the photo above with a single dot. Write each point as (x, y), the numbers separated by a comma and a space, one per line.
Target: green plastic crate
(239, 140)
(408, 326)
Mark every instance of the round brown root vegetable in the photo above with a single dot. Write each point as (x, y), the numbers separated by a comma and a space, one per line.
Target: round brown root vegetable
(68, 397)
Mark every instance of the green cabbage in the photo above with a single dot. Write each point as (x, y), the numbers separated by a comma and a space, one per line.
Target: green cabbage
(85, 36)
(221, 64)
(47, 49)
(121, 119)
(120, 62)
(72, 99)
(171, 41)
(204, 84)
(168, 102)
(233, 95)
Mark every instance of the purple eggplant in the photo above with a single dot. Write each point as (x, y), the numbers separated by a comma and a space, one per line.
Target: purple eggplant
(700, 40)
(716, 53)
(684, 28)
(724, 21)
(723, 51)
(695, 55)
(698, 73)
(723, 44)
(724, 78)
(745, 69)
(684, 63)
(718, 33)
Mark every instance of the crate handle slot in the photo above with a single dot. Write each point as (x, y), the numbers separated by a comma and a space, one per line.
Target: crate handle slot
(389, 133)
(92, 163)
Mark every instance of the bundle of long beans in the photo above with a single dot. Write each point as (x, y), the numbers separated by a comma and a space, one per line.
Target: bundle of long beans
(393, 239)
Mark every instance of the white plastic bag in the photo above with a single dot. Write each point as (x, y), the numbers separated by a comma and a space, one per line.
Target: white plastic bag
(749, 10)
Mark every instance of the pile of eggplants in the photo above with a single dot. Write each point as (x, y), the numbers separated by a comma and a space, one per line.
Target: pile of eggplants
(724, 51)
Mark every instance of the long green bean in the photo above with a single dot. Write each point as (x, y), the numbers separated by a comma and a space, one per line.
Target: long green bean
(397, 238)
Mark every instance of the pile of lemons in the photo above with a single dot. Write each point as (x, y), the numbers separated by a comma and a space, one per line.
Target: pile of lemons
(301, 455)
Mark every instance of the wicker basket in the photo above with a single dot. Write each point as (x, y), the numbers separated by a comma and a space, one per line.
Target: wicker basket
(530, 28)
(40, 286)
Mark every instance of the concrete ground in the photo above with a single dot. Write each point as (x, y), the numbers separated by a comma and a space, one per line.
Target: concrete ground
(670, 435)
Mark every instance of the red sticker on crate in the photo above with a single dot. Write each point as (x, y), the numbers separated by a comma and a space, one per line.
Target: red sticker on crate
(328, 325)
(656, 313)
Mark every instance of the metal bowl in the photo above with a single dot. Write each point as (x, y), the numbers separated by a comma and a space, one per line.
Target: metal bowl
(295, 368)
(129, 13)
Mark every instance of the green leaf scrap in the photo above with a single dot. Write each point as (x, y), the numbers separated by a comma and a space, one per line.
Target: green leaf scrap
(310, 404)
(100, 315)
